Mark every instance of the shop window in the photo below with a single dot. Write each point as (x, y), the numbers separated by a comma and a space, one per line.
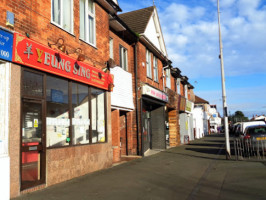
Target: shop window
(87, 21)
(62, 14)
(80, 114)
(148, 63)
(123, 58)
(32, 84)
(57, 114)
(98, 115)
(155, 68)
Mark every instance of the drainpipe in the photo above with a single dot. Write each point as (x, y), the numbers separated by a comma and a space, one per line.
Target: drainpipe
(136, 90)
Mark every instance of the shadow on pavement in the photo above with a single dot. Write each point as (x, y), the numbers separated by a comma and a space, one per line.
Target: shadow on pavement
(205, 144)
(215, 141)
(195, 156)
(207, 150)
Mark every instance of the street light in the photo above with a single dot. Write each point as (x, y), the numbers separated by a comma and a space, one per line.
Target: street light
(227, 144)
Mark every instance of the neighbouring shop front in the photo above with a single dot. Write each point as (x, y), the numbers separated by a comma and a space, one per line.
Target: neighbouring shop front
(63, 111)
(153, 106)
(186, 121)
(122, 116)
(6, 43)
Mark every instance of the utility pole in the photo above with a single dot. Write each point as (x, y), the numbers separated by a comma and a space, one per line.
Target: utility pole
(227, 143)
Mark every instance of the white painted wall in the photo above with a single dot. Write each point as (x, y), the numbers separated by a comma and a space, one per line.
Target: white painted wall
(4, 122)
(151, 33)
(154, 33)
(198, 117)
(122, 95)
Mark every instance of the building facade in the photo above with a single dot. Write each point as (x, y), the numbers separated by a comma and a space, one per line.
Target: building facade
(58, 91)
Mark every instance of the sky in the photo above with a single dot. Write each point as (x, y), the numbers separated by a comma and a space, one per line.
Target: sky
(190, 31)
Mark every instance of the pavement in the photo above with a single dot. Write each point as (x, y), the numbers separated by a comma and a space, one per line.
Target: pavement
(198, 170)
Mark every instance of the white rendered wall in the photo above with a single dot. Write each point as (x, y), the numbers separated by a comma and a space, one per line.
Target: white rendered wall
(4, 110)
(151, 33)
(198, 116)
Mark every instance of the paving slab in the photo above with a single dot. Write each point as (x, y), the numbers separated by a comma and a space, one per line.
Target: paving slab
(197, 170)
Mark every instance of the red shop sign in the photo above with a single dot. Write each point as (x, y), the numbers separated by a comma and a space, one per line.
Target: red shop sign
(30, 53)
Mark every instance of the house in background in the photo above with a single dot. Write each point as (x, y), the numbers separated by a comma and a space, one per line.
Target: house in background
(201, 117)
(215, 119)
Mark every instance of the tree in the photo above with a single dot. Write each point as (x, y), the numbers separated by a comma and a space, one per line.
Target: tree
(238, 117)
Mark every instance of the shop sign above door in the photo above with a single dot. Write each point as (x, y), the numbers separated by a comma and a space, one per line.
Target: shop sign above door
(147, 90)
(33, 54)
(189, 106)
(6, 43)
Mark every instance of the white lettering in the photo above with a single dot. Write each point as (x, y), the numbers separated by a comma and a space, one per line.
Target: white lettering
(46, 58)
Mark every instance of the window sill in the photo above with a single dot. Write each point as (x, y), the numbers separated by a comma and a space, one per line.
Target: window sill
(76, 145)
(92, 45)
(58, 26)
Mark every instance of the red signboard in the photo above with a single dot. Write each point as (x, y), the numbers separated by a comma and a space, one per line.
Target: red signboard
(33, 54)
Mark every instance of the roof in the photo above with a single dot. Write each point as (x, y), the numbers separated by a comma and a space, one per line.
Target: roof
(137, 20)
(200, 100)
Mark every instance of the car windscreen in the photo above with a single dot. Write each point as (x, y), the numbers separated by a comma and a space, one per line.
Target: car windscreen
(257, 130)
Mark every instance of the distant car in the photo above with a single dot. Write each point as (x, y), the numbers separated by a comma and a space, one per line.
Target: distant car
(257, 136)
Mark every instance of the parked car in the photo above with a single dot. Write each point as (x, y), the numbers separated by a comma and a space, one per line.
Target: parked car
(256, 136)
(240, 128)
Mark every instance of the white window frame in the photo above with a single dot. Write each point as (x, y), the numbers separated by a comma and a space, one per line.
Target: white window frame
(123, 56)
(178, 80)
(111, 47)
(186, 92)
(148, 63)
(60, 25)
(168, 78)
(155, 69)
(86, 29)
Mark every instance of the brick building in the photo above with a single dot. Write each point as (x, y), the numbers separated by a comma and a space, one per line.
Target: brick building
(67, 56)
(60, 110)
(151, 64)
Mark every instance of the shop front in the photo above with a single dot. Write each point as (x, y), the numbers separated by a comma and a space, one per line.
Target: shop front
(122, 114)
(63, 107)
(153, 106)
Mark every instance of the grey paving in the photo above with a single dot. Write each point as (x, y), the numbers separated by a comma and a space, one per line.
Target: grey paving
(195, 171)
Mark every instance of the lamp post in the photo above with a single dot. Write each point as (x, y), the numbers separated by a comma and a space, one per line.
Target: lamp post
(227, 143)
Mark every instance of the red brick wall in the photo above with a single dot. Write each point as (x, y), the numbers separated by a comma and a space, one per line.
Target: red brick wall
(34, 17)
(131, 116)
(142, 71)
(182, 89)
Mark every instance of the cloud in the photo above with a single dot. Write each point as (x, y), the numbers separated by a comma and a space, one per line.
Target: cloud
(192, 34)
(246, 99)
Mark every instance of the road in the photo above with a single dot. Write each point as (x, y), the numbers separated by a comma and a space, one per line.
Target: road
(198, 170)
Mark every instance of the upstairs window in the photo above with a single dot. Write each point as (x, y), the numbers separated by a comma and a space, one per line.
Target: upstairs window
(111, 47)
(155, 68)
(186, 91)
(168, 78)
(123, 58)
(148, 63)
(62, 14)
(87, 21)
(178, 85)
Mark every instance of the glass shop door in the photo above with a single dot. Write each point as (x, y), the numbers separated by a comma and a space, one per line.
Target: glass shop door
(32, 143)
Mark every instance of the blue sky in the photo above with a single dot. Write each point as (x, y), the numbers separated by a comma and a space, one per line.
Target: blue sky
(190, 32)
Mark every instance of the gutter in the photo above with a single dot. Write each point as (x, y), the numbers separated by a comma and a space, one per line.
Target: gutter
(136, 90)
